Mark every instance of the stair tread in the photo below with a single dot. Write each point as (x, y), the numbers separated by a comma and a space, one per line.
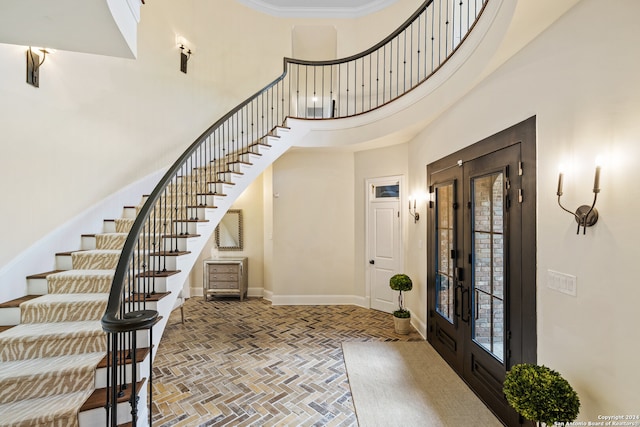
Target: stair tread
(98, 398)
(180, 236)
(43, 275)
(54, 366)
(141, 354)
(36, 331)
(264, 144)
(147, 297)
(16, 302)
(70, 298)
(230, 171)
(249, 152)
(68, 253)
(165, 273)
(98, 251)
(211, 194)
(202, 206)
(42, 410)
(165, 253)
(84, 273)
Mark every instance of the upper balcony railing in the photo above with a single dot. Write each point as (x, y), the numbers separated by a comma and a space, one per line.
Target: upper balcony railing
(306, 90)
(363, 82)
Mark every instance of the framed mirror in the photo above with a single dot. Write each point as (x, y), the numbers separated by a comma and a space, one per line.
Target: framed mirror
(229, 231)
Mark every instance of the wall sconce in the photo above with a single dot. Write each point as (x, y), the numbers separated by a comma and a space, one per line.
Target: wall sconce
(184, 57)
(585, 215)
(414, 213)
(33, 66)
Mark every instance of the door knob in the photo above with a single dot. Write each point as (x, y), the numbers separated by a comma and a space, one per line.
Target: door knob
(371, 261)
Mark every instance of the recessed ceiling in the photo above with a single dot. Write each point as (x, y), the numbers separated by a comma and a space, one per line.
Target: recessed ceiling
(318, 8)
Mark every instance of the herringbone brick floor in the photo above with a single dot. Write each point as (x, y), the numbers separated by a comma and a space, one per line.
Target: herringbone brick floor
(250, 363)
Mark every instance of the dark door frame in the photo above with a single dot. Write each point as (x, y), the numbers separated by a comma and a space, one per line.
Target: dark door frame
(523, 133)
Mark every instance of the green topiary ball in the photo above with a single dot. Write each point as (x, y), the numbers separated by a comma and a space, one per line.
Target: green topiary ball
(402, 314)
(400, 282)
(541, 394)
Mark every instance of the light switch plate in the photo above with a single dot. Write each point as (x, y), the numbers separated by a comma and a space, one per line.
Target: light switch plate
(561, 282)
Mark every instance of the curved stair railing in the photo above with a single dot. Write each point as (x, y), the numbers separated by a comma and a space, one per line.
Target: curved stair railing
(306, 90)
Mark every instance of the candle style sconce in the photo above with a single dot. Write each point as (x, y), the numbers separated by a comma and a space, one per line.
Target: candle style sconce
(33, 66)
(184, 57)
(414, 214)
(186, 50)
(585, 215)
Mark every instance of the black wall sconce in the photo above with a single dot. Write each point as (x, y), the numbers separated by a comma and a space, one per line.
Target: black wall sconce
(184, 57)
(585, 215)
(33, 66)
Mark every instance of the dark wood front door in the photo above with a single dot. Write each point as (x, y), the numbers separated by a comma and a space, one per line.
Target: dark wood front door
(482, 263)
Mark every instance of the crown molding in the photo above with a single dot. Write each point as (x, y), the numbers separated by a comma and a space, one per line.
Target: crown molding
(317, 11)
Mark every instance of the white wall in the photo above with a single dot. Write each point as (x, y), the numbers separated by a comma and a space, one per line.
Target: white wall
(580, 79)
(313, 223)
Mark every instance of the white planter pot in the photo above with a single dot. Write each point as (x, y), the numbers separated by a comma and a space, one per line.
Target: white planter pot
(402, 326)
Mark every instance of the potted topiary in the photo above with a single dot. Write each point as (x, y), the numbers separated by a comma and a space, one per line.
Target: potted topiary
(402, 316)
(540, 394)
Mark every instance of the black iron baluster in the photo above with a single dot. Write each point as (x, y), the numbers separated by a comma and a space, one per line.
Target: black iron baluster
(333, 110)
(150, 405)
(362, 78)
(133, 399)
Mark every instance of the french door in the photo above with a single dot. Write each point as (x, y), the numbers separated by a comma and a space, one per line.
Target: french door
(481, 267)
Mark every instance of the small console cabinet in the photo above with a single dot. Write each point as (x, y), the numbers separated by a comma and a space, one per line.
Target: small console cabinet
(225, 276)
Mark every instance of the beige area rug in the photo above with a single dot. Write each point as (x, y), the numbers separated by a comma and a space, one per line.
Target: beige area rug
(408, 384)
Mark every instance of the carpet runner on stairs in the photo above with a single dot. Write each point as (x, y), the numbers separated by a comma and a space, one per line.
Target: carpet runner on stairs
(80, 281)
(48, 362)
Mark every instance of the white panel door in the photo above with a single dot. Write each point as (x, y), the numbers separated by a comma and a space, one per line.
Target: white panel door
(384, 241)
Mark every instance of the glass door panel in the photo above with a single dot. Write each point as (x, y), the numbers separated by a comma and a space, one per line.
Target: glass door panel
(488, 211)
(445, 242)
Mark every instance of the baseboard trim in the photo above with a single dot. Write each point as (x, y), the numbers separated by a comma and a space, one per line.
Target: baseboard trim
(255, 292)
(318, 300)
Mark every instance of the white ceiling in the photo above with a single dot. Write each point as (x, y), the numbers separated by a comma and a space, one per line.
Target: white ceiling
(318, 8)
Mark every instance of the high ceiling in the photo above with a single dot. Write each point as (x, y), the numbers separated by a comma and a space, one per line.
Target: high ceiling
(318, 8)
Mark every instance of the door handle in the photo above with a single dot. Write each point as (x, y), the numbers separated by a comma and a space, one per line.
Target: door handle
(371, 261)
(456, 300)
(468, 311)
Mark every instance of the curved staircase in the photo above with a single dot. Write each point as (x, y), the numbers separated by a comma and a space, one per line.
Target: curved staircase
(53, 366)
